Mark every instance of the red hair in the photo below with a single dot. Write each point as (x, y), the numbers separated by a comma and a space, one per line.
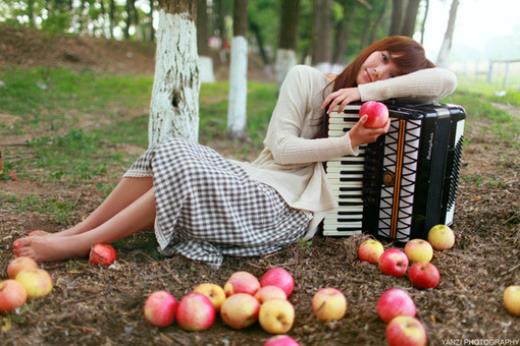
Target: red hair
(405, 53)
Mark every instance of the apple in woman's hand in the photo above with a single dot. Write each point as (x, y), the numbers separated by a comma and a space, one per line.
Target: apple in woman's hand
(377, 114)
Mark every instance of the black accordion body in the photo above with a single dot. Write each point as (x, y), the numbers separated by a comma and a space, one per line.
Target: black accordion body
(404, 183)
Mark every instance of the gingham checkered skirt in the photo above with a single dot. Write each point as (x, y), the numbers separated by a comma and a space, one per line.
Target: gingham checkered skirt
(208, 207)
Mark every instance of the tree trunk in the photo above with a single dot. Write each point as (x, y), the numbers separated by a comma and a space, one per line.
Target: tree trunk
(174, 110)
(373, 28)
(111, 17)
(444, 53)
(220, 15)
(423, 25)
(257, 31)
(150, 16)
(202, 28)
(236, 124)
(408, 27)
(343, 30)
(128, 19)
(321, 27)
(30, 12)
(285, 54)
(397, 17)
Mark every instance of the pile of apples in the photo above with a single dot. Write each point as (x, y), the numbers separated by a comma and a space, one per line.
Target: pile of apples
(26, 281)
(243, 301)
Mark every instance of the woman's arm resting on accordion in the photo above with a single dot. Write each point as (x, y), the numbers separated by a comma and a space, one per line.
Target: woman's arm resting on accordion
(425, 85)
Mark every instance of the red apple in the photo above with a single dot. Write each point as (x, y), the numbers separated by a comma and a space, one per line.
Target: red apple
(394, 302)
(241, 282)
(160, 308)
(195, 312)
(19, 264)
(240, 310)
(393, 262)
(424, 275)
(278, 277)
(103, 254)
(406, 331)
(12, 295)
(281, 340)
(370, 250)
(269, 293)
(377, 114)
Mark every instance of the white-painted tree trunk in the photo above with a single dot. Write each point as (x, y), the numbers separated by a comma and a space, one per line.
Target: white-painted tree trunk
(285, 60)
(237, 88)
(174, 109)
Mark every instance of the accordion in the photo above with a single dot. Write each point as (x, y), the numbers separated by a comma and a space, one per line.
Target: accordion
(400, 186)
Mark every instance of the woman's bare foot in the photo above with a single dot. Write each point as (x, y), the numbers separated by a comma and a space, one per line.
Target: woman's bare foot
(38, 233)
(48, 249)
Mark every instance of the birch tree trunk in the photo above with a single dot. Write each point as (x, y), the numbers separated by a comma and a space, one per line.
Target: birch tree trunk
(174, 110)
(285, 54)
(237, 103)
(444, 53)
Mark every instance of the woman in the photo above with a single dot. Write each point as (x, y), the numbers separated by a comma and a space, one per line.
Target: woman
(204, 206)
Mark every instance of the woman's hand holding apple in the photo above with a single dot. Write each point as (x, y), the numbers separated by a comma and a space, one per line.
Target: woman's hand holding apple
(359, 134)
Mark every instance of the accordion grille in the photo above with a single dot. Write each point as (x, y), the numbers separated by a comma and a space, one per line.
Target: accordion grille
(455, 173)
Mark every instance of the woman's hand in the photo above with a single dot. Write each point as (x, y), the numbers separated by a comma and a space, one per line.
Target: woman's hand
(341, 97)
(359, 134)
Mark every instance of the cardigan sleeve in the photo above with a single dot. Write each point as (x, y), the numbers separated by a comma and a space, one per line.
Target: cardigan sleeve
(283, 137)
(425, 85)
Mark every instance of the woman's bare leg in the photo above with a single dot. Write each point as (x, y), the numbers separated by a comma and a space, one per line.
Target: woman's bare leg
(126, 192)
(133, 218)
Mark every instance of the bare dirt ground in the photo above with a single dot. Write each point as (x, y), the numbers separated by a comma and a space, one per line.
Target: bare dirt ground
(100, 306)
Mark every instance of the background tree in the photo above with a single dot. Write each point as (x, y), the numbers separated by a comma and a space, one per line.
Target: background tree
(238, 72)
(174, 110)
(444, 52)
(202, 28)
(425, 16)
(321, 28)
(398, 8)
(408, 25)
(343, 29)
(286, 52)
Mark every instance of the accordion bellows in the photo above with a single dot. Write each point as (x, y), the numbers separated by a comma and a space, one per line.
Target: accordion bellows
(403, 184)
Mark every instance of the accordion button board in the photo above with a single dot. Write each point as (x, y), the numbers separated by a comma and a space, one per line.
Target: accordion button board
(403, 184)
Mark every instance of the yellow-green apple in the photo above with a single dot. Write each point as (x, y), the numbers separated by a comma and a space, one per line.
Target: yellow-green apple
(269, 293)
(160, 308)
(195, 312)
(394, 302)
(240, 310)
(278, 277)
(329, 304)
(214, 292)
(103, 254)
(370, 250)
(281, 340)
(19, 264)
(241, 282)
(441, 237)
(406, 330)
(418, 250)
(424, 275)
(276, 316)
(37, 282)
(393, 262)
(377, 112)
(512, 300)
(12, 295)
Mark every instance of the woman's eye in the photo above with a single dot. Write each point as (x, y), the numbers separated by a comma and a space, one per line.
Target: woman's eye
(385, 57)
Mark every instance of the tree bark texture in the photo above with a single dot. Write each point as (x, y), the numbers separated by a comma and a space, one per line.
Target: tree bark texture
(285, 54)
(174, 110)
(397, 17)
(408, 27)
(444, 53)
(257, 31)
(343, 29)
(202, 28)
(321, 28)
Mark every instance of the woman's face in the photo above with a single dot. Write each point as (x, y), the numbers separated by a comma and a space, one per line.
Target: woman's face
(377, 66)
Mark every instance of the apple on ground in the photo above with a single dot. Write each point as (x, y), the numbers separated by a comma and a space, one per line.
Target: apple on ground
(395, 302)
(406, 331)
(103, 254)
(276, 316)
(393, 262)
(160, 308)
(441, 237)
(12, 295)
(240, 310)
(281, 340)
(195, 312)
(418, 250)
(377, 114)
(19, 264)
(329, 304)
(269, 293)
(370, 250)
(278, 277)
(512, 300)
(214, 292)
(424, 275)
(241, 282)
(37, 282)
